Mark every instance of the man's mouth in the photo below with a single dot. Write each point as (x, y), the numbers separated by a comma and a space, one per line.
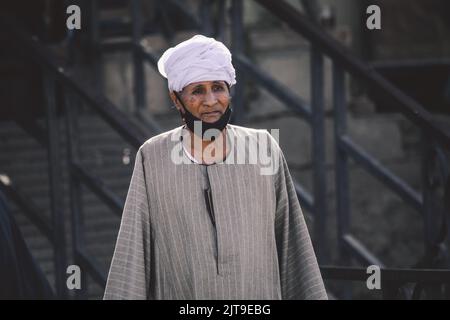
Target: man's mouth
(211, 115)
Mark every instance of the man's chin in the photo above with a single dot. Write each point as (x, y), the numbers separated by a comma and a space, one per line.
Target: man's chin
(210, 119)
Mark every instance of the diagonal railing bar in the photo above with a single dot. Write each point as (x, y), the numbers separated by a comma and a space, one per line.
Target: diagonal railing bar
(99, 188)
(383, 174)
(290, 99)
(28, 207)
(58, 78)
(109, 112)
(361, 252)
(329, 46)
(343, 61)
(91, 265)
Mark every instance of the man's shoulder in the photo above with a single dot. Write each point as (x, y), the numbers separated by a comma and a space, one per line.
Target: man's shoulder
(160, 140)
(247, 131)
(251, 133)
(257, 135)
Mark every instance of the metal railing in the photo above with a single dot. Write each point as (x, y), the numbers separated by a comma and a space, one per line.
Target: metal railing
(410, 284)
(61, 86)
(435, 163)
(435, 141)
(54, 230)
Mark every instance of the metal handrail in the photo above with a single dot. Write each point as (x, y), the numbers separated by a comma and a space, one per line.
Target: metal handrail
(70, 84)
(103, 106)
(28, 207)
(387, 274)
(338, 53)
(344, 61)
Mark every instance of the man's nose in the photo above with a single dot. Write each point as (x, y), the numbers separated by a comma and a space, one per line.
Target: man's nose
(210, 98)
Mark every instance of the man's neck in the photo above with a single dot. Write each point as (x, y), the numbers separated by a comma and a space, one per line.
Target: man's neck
(208, 151)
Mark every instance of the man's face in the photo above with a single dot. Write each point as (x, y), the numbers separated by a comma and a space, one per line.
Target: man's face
(207, 100)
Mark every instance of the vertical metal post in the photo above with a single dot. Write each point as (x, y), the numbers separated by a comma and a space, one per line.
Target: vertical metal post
(94, 24)
(237, 30)
(318, 151)
(427, 193)
(138, 65)
(431, 211)
(390, 290)
(220, 32)
(447, 210)
(341, 157)
(73, 155)
(205, 17)
(447, 220)
(56, 186)
(341, 167)
(95, 45)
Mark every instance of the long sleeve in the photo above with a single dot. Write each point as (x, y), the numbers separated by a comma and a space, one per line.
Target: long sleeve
(299, 271)
(129, 274)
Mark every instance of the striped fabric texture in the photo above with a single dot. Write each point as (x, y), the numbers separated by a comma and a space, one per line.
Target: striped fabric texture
(252, 243)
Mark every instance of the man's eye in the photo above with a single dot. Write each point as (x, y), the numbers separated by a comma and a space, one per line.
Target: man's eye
(197, 91)
(218, 88)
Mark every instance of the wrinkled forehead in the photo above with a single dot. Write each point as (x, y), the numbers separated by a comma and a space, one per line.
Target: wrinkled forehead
(206, 84)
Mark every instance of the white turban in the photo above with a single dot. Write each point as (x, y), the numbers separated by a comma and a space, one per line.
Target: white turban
(197, 59)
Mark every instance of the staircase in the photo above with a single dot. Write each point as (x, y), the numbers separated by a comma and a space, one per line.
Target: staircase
(25, 162)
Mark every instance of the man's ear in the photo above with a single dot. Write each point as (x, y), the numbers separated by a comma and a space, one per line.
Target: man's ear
(175, 100)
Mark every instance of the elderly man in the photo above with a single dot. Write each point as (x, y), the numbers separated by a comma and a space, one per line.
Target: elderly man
(204, 218)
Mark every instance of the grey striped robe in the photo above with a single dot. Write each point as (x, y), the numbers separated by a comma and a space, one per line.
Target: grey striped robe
(255, 245)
